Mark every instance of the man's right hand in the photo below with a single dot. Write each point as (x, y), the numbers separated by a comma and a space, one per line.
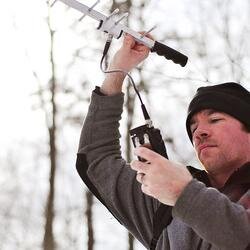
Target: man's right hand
(126, 58)
(129, 55)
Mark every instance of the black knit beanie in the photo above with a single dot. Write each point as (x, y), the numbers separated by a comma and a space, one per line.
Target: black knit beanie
(230, 98)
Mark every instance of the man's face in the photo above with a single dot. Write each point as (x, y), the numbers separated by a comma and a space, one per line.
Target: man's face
(220, 141)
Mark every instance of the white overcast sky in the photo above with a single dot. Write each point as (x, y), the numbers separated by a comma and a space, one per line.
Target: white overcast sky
(22, 29)
(15, 78)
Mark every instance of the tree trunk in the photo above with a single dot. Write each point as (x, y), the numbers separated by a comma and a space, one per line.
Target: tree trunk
(89, 216)
(49, 241)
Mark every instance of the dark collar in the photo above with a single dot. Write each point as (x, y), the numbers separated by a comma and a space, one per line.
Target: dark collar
(200, 175)
(240, 176)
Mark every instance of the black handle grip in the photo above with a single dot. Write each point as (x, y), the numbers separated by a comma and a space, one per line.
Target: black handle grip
(170, 54)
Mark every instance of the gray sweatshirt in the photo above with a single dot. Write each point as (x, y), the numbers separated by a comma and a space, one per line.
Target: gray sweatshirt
(203, 217)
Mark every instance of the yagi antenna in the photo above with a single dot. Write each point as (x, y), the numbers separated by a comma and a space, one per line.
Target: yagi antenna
(115, 12)
(115, 29)
(89, 10)
(53, 3)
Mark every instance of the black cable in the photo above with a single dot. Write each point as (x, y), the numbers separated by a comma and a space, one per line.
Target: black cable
(105, 51)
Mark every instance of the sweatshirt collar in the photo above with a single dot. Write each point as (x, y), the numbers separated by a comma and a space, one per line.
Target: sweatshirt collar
(240, 176)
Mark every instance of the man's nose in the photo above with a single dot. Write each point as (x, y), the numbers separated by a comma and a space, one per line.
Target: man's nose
(200, 133)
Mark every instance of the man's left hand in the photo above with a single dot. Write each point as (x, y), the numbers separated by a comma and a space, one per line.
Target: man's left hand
(160, 178)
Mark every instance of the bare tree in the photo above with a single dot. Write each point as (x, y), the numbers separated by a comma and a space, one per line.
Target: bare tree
(214, 34)
(89, 217)
(49, 239)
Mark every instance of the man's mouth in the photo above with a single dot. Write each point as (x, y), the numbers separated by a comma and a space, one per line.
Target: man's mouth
(204, 146)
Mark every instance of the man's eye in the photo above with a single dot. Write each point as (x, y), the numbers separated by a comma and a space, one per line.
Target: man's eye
(214, 120)
(193, 130)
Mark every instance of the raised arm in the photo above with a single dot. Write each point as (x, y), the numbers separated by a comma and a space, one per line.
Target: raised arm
(99, 160)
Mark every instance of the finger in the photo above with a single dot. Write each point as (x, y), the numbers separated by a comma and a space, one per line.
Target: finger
(141, 48)
(146, 190)
(129, 41)
(140, 177)
(146, 153)
(147, 35)
(139, 166)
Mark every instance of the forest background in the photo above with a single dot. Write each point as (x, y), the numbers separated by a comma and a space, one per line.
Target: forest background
(50, 65)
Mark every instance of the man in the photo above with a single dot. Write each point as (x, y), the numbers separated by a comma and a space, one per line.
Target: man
(203, 209)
